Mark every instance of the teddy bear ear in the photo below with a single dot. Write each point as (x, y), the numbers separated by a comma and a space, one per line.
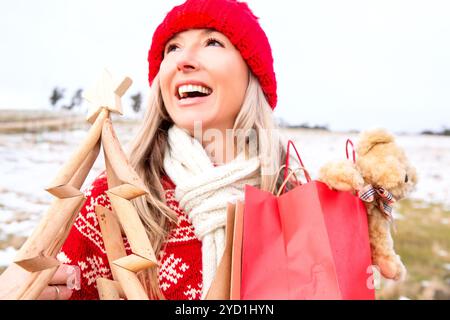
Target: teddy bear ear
(370, 138)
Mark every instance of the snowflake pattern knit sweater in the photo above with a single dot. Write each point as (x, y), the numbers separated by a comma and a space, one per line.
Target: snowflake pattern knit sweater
(180, 264)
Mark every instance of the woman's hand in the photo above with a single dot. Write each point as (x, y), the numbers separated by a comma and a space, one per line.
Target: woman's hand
(57, 288)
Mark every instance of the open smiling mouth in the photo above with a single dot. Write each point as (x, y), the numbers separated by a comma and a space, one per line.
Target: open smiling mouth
(187, 92)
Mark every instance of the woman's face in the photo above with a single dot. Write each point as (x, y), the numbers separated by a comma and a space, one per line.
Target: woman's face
(203, 78)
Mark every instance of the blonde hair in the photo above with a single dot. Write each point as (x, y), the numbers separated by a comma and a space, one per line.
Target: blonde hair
(147, 156)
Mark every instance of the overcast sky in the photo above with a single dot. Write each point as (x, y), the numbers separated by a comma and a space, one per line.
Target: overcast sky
(346, 64)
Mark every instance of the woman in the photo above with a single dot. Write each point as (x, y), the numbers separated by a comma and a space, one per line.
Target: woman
(211, 74)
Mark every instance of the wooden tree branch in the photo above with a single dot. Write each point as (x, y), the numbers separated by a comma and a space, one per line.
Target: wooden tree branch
(128, 185)
(17, 283)
(80, 176)
(37, 283)
(111, 235)
(136, 235)
(109, 289)
(130, 283)
(39, 252)
(115, 249)
(124, 184)
(60, 186)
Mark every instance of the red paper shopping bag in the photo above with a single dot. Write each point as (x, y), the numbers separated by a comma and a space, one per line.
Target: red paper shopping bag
(308, 243)
(347, 227)
(327, 243)
(264, 273)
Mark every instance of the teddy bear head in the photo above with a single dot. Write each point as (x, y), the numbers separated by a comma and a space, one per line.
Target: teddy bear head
(383, 163)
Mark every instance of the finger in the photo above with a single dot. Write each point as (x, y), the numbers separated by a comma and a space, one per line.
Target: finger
(50, 293)
(64, 293)
(62, 274)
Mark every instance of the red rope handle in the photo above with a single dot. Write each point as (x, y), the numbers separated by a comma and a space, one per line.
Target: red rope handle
(353, 149)
(290, 142)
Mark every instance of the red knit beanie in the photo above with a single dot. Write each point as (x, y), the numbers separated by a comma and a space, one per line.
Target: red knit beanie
(230, 17)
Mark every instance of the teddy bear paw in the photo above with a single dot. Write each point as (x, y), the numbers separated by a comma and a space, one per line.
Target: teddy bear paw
(341, 175)
(392, 268)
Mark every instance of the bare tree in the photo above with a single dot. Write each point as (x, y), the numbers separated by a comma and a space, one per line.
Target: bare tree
(57, 94)
(137, 101)
(76, 100)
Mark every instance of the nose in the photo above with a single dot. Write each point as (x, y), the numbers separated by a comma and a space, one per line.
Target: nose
(186, 61)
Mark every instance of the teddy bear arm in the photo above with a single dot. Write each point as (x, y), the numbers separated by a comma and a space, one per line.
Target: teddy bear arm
(341, 176)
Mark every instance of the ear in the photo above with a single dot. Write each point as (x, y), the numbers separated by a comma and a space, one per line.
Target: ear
(368, 139)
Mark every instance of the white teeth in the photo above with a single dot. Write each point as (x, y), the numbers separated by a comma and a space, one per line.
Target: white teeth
(184, 89)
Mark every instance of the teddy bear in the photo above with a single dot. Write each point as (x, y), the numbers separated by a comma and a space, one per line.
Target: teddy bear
(380, 175)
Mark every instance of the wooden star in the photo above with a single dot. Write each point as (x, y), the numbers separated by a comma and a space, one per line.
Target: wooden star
(107, 93)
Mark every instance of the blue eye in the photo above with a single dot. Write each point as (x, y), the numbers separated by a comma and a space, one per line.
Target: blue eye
(214, 42)
(210, 42)
(171, 48)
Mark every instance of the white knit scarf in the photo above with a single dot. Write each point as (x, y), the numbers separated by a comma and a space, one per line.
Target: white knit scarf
(204, 190)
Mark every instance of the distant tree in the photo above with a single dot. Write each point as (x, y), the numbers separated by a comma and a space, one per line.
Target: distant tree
(57, 95)
(305, 125)
(137, 101)
(282, 123)
(444, 132)
(76, 100)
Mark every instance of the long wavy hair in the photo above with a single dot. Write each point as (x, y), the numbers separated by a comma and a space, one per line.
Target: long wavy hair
(147, 154)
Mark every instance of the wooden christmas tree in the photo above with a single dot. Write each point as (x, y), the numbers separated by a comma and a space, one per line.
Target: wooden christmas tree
(36, 263)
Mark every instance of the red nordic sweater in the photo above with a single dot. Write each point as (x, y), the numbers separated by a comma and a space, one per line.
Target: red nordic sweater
(180, 264)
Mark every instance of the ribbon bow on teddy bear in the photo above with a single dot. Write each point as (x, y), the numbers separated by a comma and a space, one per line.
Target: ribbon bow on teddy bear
(383, 199)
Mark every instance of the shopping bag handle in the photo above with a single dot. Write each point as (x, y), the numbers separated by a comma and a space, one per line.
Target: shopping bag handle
(278, 175)
(290, 142)
(293, 172)
(349, 142)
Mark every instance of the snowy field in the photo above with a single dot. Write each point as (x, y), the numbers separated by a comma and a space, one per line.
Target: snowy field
(29, 161)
